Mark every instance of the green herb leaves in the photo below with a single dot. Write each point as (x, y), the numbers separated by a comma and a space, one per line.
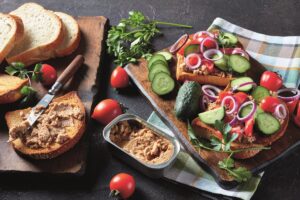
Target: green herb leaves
(228, 138)
(131, 38)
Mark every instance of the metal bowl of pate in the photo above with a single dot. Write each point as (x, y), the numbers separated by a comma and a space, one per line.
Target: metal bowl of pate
(141, 145)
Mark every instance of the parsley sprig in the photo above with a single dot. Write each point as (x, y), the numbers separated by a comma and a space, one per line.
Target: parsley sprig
(131, 38)
(240, 174)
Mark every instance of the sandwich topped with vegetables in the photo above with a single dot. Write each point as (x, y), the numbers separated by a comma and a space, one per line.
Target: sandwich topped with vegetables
(210, 58)
(256, 115)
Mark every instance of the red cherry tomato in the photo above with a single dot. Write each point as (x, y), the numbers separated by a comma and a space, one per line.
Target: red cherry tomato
(198, 38)
(49, 74)
(223, 94)
(106, 111)
(240, 97)
(119, 78)
(271, 80)
(122, 185)
(193, 60)
(269, 103)
(249, 127)
(291, 105)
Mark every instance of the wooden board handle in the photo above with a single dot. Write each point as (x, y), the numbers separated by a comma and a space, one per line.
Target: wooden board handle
(71, 69)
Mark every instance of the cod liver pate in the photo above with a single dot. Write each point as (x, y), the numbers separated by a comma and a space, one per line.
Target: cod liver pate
(51, 127)
(141, 142)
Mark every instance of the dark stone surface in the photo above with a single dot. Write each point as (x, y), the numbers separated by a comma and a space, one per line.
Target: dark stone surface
(281, 181)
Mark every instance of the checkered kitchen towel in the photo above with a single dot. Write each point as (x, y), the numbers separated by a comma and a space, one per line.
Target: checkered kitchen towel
(280, 54)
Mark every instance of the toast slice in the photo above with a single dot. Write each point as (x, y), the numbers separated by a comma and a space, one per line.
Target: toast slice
(181, 75)
(74, 130)
(71, 35)
(10, 87)
(43, 32)
(11, 33)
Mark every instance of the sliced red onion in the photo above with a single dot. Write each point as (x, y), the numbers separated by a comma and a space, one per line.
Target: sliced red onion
(188, 64)
(230, 98)
(233, 121)
(242, 85)
(195, 37)
(179, 43)
(240, 52)
(211, 91)
(251, 113)
(204, 102)
(203, 41)
(280, 111)
(295, 91)
(211, 52)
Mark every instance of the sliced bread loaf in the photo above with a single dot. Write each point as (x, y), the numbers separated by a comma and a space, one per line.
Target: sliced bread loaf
(11, 32)
(71, 35)
(43, 32)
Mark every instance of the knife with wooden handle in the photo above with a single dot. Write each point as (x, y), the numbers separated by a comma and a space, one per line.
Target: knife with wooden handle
(62, 79)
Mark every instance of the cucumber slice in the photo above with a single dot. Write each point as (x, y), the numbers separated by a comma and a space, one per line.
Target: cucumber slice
(267, 124)
(259, 93)
(193, 48)
(247, 109)
(156, 63)
(238, 81)
(168, 56)
(222, 63)
(156, 69)
(211, 116)
(228, 39)
(156, 57)
(238, 63)
(162, 83)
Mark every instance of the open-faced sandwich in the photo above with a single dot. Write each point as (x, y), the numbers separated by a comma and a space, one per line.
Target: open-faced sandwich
(210, 58)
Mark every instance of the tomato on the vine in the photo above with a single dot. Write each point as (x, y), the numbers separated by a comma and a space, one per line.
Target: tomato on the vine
(122, 185)
(271, 80)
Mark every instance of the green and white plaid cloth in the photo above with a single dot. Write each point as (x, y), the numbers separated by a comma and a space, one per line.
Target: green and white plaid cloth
(281, 54)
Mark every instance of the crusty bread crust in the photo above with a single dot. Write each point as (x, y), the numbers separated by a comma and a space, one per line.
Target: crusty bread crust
(42, 52)
(55, 149)
(20, 29)
(181, 75)
(11, 93)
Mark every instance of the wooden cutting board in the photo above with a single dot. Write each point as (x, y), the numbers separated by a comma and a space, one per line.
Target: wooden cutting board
(208, 159)
(92, 32)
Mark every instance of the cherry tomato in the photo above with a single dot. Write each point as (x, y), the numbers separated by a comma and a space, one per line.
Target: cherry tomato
(106, 111)
(49, 74)
(208, 64)
(119, 78)
(297, 116)
(223, 94)
(269, 103)
(291, 105)
(271, 80)
(249, 127)
(198, 38)
(240, 97)
(193, 60)
(122, 185)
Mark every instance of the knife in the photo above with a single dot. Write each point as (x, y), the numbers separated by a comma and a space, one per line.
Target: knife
(62, 79)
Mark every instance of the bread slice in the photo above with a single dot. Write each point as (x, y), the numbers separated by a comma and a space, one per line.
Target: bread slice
(10, 87)
(11, 32)
(74, 132)
(43, 32)
(71, 35)
(181, 75)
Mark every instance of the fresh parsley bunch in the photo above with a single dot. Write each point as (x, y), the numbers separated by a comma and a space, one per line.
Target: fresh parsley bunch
(131, 38)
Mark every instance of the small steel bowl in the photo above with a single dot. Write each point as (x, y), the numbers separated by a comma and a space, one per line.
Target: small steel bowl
(152, 170)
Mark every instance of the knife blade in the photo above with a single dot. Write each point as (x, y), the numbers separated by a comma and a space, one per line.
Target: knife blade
(41, 106)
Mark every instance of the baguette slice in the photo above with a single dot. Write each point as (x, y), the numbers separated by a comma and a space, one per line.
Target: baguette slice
(75, 132)
(71, 35)
(43, 32)
(10, 87)
(11, 32)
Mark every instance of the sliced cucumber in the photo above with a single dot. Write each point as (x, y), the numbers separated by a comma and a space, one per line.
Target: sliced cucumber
(259, 93)
(158, 62)
(238, 63)
(156, 69)
(222, 63)
(156, 57)
(168, 56)
(193, 48)
(247, 109)
(162, 83)
(238, 81)
(228, 39)
(211, 116)
(267, 124)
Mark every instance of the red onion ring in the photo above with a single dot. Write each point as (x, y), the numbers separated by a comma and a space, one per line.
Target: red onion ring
(280, 111)
(211, 52)
(201, 33)
(240, 52)
(242, 85)
(203, 41)
(177, 45)
(251, 113)
(192, 67)
(223, 103)
(233, 121)
(295, 91)
(213, 91)
(204, 102)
